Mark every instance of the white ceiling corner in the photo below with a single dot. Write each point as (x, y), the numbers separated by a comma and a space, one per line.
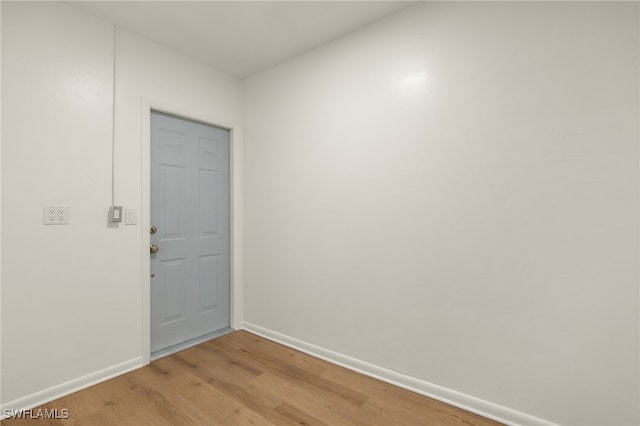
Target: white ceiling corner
(241, 37)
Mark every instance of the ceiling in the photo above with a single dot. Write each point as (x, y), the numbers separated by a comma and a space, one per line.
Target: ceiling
(241, 37)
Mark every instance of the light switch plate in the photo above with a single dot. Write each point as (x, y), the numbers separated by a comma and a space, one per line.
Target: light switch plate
(130, 216)
(115, 214)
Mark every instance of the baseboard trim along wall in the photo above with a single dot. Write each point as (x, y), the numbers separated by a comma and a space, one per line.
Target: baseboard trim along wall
(457, 399)
(58, 391)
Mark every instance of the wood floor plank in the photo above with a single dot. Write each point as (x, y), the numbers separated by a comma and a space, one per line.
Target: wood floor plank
(237, 389)
(219, 363)
(300, 376)
(288, 356)
(209, 400)
(243, 379)
(297, 416)
(103, 417)
(328, 407)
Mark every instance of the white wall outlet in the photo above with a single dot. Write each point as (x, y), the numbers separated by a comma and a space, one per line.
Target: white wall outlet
(63, 214)
(49, 215)
(130, 216)
(55, 215)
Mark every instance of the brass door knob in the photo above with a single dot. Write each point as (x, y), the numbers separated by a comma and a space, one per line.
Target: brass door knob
(153, 230)
(154, 248)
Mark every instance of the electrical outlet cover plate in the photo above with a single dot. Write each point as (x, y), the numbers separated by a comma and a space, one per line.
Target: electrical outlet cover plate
(49, 215)
(55, 215)
(63, 214)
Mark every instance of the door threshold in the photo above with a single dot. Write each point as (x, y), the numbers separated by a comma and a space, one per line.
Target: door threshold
(161, 353)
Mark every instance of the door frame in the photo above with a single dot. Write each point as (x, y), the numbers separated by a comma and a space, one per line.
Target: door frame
(235, 213)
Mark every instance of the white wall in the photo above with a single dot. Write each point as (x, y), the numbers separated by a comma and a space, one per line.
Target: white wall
(477, 231)
(71, 296)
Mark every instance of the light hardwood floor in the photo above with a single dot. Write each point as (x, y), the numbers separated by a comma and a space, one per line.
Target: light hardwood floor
(243, 379)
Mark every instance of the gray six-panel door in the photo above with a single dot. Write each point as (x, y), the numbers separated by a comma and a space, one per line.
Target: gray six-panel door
(190, 209)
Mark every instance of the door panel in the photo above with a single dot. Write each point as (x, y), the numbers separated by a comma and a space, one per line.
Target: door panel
(190, 208)
(173, 291)
(209, 267)
(172, 197)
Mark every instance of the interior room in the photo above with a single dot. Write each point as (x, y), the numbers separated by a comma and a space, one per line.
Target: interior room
(443, 196)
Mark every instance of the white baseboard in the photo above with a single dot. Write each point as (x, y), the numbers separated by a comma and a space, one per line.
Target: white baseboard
(58, 391)
(466, 402)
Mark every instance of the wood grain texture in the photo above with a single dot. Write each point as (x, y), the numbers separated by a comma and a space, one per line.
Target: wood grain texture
(243, 379)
